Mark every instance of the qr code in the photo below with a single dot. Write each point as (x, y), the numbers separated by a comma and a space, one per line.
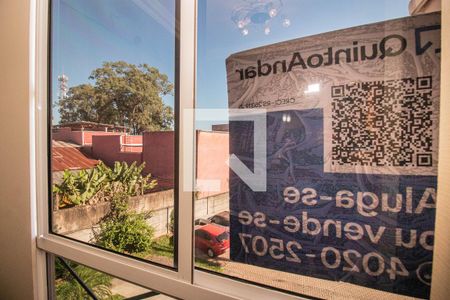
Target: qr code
(383, 123)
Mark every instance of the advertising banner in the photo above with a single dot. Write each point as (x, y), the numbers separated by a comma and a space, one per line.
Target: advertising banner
(352, 137)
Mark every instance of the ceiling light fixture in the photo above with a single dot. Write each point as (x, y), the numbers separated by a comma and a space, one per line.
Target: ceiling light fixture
(257, 14)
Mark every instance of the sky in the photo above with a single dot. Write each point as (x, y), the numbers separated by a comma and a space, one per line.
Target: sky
(86, 33)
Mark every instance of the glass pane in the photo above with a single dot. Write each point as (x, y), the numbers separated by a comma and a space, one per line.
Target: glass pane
(73, 281)
(112, 124)
(323, 170)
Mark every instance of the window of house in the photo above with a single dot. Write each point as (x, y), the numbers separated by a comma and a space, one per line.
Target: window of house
(269, 149)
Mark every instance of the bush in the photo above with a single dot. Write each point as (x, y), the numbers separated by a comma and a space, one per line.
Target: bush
(171, 225)
(123, 230)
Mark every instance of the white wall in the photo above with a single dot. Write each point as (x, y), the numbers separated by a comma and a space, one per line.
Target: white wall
(417, 7)
(16, 244)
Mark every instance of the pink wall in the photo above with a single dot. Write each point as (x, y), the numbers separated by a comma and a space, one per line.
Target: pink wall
(130, 157)
(159, 154)
(107, 149)
(89, 134)
(134, 140)
(65, 134)
(212, 154)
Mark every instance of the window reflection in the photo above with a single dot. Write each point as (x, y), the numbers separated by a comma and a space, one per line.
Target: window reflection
(351, 110)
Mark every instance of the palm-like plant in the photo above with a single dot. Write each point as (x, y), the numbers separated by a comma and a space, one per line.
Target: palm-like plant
(68, 288)
(78, 188)
(129, 176)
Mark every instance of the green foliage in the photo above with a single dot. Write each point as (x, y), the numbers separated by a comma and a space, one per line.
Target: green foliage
(171, 226)
(130, 176)
(80, 107)
(122, 94)
(172, 222)
(68, 288)
(124, 230)
(163, 246)
(78, 188)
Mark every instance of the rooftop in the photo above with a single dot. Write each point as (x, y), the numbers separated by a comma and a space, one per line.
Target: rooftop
(68, 156)
(82, 125)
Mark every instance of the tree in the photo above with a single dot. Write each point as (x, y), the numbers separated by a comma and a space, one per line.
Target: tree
(122, 94)
(78, 106)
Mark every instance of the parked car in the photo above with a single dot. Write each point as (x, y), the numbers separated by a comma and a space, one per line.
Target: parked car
(212, 239)
(222, 218)
(201, 221)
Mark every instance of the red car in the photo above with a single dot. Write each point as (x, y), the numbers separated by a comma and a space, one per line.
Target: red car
(212, 239)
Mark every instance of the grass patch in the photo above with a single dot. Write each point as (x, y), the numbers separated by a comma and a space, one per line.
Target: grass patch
(162, 247)
(208, 265)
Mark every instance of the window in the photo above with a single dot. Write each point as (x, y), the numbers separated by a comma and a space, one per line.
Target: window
(340, 113)
(334, 104)
(112, 125)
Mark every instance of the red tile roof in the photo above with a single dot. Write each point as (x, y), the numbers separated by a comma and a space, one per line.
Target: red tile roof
(66, 156)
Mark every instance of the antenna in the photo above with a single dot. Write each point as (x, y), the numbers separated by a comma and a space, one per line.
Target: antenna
(63, 86)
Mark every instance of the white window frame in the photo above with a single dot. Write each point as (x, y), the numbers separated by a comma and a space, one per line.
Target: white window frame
(186, 282)
(178, 283)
